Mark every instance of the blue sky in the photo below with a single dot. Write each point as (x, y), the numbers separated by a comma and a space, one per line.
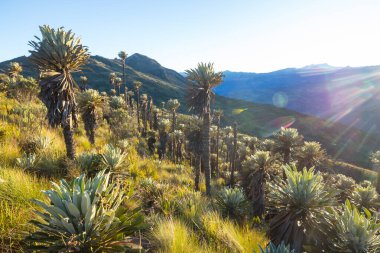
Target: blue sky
(245, 35)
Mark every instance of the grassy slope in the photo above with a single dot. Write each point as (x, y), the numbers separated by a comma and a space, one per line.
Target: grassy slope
(18, 187)
(342, 143)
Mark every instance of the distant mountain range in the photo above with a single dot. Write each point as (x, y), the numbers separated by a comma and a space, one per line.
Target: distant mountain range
(303, 90)
(338, 94)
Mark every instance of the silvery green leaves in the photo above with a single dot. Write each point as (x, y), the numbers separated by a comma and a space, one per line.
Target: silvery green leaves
(113, 158)
(271, 248)
(84, 215)
(354, 231)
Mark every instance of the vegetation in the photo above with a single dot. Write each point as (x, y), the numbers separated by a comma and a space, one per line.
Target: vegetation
(299, 203)
(57, 54)
(203, 79)
(85, 216)
(140, 186)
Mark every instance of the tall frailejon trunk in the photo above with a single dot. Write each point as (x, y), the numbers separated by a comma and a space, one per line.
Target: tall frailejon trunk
(126, 98)
(91, 136)
(286, 161)
(144, 118)
(155, 121)
(217, 149)
(69, 141)
(179, 151)
(174, 120)
(206, 151)
(378, 179)
(138, 110)
(259, 194)
(233, 158)
(287, 156)
(124, 84)
(197, 168)
(150, 115)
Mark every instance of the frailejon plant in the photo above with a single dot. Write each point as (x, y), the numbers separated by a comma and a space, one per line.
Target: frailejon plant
(89, 163)
(271, 248)
(27, 161)
(366, 197)
(89, 103)
(57, 54)
(354, 232)
(113, 158)
(85, 215)
(299, 204)
(232, 203)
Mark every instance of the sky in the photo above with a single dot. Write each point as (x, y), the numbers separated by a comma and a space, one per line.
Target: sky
(237, 35)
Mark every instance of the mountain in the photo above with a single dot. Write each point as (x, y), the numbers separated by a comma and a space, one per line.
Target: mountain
(347, 95)
(344, 143)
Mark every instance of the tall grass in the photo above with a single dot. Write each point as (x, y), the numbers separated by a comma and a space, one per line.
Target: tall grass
(17, 188)
(227, 236)
(172, 235)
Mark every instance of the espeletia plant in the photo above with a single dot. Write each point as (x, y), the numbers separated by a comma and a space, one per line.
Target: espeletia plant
(113, 158)
(354, 231)
(271, 248)
(85, 215)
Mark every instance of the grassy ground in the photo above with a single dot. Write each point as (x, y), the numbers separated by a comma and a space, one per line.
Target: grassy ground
(181, 220)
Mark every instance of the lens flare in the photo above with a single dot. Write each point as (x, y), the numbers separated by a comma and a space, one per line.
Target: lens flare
(275, 125)
(280, 99)
(239, 110)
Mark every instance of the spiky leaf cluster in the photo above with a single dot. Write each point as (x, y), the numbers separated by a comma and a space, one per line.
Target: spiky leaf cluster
(57, 54)
(271, 248)
(113, 158)
(172, 104)
(366, 197)
(232, 203)
(58, 50)
(354, 232)
(85, 215)
(116, 102)
(203, 79)
(299, 202)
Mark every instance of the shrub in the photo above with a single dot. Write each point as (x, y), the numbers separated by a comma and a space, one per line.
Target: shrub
(343, 184)
(116, 102)
(27, 161)
(85, 215)
(299, 205)
(354, 231)
(28, 146)
(89, 163)
(366, 197)
(232, 203)
(191, 207)
(113, 158)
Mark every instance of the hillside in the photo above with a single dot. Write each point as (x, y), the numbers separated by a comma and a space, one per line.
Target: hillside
(342, 143)
(347, 95)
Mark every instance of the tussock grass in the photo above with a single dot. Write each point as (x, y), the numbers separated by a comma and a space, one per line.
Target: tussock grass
(17, 188)
(227, 236)
(172, 235)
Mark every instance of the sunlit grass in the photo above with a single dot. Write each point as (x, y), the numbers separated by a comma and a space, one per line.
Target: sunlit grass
(17, 188)
(230, 237)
